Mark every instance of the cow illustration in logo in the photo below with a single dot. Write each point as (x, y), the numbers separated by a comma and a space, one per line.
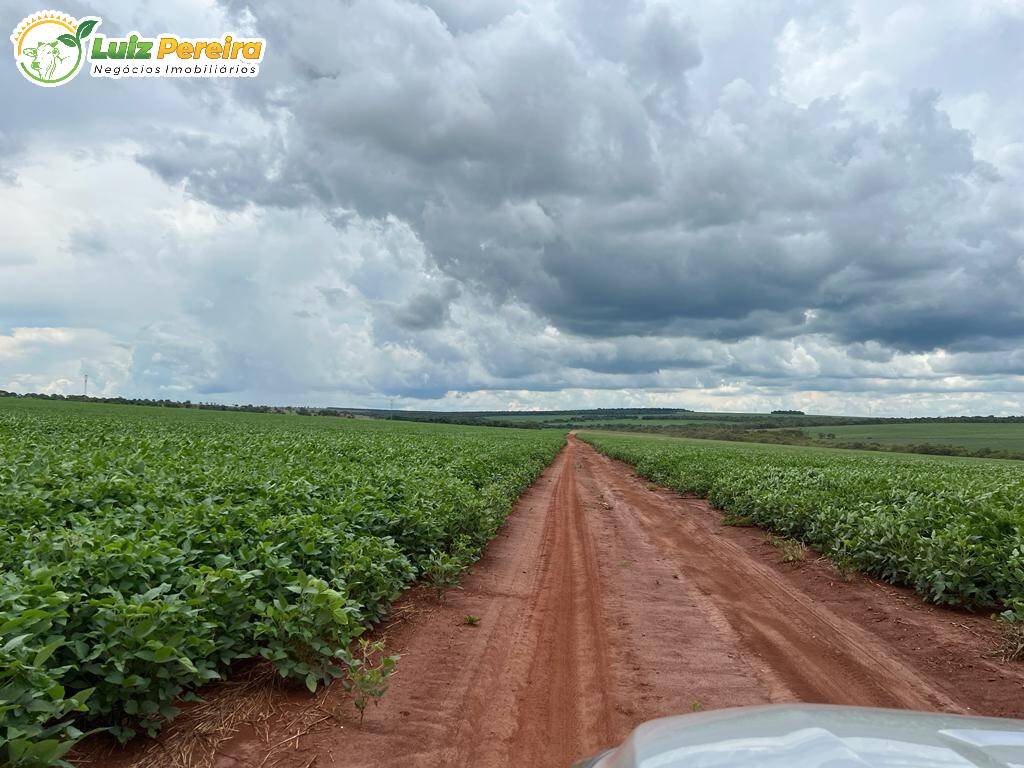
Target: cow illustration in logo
(48, 47)
(45, 59)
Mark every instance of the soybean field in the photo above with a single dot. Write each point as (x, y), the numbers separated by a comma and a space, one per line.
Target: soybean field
(144, 550)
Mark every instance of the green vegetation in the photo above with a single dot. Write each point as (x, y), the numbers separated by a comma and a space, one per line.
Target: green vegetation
(443, 569)
(369, 673)
(144, 550)
(953, 529)
(978, 437)
(973, 436)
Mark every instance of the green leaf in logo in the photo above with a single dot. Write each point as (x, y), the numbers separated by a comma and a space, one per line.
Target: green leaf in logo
(85, 28)
(68, 40)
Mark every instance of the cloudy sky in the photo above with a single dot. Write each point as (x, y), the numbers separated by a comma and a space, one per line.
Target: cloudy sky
(718, 204)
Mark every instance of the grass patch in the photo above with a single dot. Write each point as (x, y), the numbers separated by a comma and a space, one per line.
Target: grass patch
(791, 550)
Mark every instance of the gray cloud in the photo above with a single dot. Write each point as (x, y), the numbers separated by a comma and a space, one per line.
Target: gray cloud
(427, 198)
(426, 310)
(555, 157)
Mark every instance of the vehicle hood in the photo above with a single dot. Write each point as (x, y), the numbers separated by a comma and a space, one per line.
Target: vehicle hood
(820, 736)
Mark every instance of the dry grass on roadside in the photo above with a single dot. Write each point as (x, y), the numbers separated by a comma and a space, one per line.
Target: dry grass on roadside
(791, 550)
(251, 700)
(1012, 646)
(194, 737)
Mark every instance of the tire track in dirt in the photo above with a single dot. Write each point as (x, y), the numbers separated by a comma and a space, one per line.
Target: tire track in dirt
(568, 690)
(813, 654)
(605, 602)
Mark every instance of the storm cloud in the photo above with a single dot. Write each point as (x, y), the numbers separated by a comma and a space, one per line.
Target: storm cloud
(516, 203)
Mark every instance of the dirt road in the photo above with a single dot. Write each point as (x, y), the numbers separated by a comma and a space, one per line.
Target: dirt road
(605, 602)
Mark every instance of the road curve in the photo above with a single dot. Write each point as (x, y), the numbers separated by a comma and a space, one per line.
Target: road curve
(604, 602)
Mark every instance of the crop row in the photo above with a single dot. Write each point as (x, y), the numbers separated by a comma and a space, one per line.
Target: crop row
(141, 554)
(951, 529)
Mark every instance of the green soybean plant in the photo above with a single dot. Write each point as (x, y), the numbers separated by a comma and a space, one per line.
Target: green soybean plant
(143, 551)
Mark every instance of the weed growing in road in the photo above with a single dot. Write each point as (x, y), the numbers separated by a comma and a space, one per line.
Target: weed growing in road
(470, 621)
(368, 673)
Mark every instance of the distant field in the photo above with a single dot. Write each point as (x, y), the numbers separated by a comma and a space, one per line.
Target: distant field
(984, 439)
(1007, 437)
(540, 418)
(651, 422)
(771, 450)
(661, 422)
(687, 418)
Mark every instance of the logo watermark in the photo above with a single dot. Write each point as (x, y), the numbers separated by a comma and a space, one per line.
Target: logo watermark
(51, 47)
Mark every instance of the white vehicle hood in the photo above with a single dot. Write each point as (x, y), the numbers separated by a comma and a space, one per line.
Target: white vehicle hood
(819, 736)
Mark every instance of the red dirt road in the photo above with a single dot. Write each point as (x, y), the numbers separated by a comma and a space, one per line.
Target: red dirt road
(603, 603)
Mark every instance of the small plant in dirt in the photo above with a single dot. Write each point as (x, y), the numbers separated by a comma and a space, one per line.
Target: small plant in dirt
(791, 550)
(844, 566)
(368, 674)
(442, 570)
(470, 621)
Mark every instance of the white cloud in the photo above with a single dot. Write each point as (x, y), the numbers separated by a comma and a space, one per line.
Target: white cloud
(56, 360)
